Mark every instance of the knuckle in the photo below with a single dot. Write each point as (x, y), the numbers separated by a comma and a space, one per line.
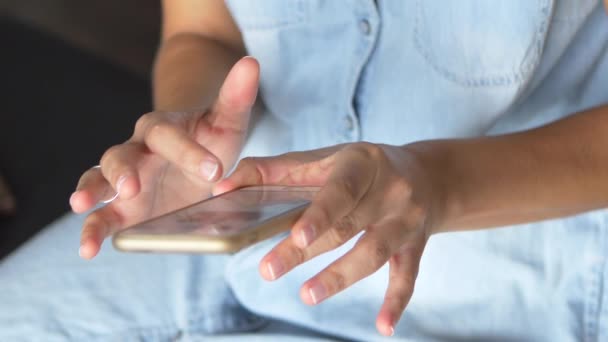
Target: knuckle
(294, 255)
(370, 151)
(248, 162)
(379, 253)
(95, 224)
(299, 255)
(336, 237)
(110, 154)
(251, 164)
(335, 280)
(375, 151)
(144, 121)
(157, 130)
(342, 231)
(254, 167)
(324, 215)
(347, 189)
(188, 157)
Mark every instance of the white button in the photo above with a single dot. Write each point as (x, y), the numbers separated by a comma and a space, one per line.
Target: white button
(365, 26)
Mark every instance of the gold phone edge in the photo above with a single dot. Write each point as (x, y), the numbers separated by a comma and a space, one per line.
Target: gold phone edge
(190, 244)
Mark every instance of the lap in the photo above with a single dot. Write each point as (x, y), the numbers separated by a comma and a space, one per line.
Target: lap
(48, 292)
(535, 282)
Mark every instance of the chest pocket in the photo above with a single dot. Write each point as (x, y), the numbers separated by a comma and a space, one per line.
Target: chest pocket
(478, 43)
(268, 14)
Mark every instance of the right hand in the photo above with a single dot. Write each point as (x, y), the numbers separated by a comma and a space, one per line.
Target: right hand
(172, 160)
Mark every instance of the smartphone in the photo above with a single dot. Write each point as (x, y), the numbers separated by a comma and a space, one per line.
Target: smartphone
(222, 224)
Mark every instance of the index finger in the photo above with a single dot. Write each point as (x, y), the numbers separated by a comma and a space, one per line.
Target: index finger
(165, 134)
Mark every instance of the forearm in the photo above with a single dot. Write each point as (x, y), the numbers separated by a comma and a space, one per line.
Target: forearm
(189, 71)
(556, 170)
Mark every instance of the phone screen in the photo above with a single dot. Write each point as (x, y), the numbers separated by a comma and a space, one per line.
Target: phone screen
(230, 213)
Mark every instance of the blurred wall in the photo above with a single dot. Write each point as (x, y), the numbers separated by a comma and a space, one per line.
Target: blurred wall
(74, 81)
(124, 32)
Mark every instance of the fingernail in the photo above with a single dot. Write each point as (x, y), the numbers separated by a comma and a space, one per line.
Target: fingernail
(317, 293)
(275, 268)
(391, 331)
(80, 251)
(209, 169)
(307, 234)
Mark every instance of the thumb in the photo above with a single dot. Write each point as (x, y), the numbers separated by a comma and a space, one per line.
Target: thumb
(287, 169)
(237, 95)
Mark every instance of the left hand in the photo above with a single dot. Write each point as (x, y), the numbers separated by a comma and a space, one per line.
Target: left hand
(382, 190)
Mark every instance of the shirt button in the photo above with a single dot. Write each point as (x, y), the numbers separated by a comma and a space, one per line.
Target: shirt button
(365, 26)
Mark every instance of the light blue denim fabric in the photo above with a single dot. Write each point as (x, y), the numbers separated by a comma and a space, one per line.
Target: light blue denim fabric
(389, 71)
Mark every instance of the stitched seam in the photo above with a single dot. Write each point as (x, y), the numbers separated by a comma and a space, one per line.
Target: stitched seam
(593, 295)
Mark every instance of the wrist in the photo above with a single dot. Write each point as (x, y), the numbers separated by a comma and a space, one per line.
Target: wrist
(189, 71)
(434, 160)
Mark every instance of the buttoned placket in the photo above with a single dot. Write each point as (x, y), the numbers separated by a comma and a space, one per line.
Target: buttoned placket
(367, 22)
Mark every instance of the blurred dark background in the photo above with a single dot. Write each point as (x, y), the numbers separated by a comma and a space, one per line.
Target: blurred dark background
(75, 77)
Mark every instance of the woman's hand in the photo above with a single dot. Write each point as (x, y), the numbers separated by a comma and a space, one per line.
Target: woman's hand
(381, 191)
(171, 160)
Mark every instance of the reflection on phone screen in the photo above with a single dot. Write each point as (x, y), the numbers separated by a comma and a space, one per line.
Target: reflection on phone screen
(226, 215)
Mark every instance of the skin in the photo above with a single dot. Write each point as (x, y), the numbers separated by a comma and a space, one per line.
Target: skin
(197, 131)
(399, 196)
(396, 197)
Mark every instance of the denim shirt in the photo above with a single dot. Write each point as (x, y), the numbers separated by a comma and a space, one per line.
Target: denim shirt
(398, 71)
(401, 71)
